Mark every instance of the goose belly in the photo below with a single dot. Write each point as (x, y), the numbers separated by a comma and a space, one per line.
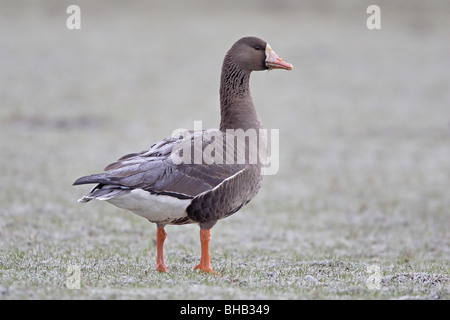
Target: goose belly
(156, 208)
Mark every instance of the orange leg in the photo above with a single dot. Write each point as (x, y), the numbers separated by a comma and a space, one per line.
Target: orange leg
(205, 263)
(160, 237)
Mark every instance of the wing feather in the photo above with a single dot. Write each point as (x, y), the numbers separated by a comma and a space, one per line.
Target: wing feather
(153, 170)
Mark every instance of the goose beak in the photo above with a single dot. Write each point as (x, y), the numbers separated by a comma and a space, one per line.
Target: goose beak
(273, 61)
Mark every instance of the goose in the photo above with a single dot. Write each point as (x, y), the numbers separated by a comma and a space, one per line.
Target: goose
(167, 185)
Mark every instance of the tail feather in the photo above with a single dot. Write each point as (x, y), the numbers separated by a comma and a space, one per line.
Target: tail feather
(104, 192)
(94, 178)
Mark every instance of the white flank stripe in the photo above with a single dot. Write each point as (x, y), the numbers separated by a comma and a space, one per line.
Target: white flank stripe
(230, 177)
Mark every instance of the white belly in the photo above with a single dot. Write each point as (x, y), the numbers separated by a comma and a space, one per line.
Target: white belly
(153, 207)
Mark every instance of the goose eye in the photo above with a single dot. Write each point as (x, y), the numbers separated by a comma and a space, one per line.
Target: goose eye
(257, 47)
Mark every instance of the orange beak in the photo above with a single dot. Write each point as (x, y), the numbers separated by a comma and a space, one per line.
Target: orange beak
(273, 61)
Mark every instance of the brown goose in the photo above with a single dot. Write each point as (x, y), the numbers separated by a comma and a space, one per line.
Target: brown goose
(167, 184)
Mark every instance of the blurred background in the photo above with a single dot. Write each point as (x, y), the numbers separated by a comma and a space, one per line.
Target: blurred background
(364, 120)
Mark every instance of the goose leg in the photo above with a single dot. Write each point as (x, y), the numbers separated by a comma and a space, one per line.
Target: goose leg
(205, 262)
(160, 237)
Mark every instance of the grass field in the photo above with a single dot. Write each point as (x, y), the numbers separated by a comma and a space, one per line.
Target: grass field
(364, 178)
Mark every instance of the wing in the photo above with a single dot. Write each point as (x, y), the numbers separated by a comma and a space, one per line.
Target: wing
(160, 171)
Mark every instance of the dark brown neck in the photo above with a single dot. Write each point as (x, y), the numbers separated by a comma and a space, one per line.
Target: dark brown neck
(236, 105)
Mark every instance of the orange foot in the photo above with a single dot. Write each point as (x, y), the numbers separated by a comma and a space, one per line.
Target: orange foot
(161, 267)
(205, 263)
(206, 269)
